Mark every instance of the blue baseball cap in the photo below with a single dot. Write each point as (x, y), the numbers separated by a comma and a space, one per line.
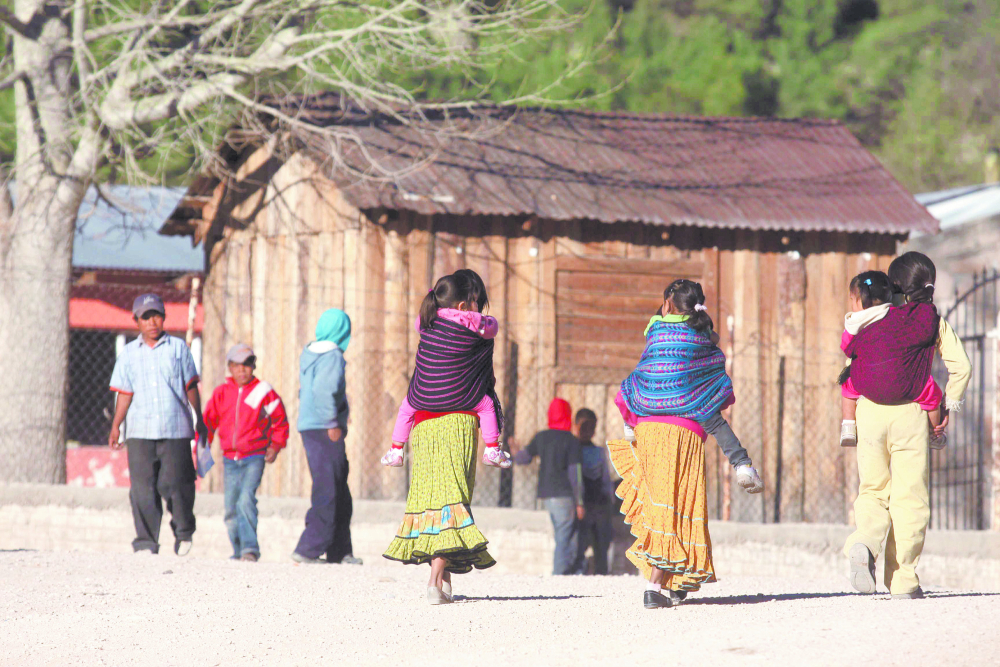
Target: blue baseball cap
(147, 302)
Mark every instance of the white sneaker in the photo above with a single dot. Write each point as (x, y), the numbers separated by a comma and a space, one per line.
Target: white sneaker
(393, 458)
(848, 434)
(183, 548)
(497, 457)
(749, 480)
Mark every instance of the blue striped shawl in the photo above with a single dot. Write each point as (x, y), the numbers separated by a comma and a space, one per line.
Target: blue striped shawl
(681, 374)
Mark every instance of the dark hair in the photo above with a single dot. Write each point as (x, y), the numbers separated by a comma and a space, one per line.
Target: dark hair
(448, 292)
(872, 287)
(685, 295)
(584, 413)
(912, 274)
(477, 294)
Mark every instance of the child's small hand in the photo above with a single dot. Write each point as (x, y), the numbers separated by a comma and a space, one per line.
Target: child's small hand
(270, 454)
(940, 428)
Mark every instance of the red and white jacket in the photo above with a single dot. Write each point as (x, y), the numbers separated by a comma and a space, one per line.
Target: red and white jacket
(248, 419)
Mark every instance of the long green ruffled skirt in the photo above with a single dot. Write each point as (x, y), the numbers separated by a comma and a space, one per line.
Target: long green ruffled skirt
(438, 520)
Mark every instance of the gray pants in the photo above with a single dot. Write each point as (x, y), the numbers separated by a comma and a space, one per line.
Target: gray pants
(160, 470)
(720, 429)
(562, 511)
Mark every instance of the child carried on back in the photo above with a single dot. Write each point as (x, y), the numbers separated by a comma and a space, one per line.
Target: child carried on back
(454, 366)
(682, 373)
(897, 354)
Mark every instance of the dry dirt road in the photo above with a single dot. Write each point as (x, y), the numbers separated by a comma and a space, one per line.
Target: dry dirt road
(70, 609)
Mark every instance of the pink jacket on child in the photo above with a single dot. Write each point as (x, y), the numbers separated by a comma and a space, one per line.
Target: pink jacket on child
(487, 327)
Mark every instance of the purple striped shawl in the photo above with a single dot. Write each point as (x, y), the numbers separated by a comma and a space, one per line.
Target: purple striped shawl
(454, 370)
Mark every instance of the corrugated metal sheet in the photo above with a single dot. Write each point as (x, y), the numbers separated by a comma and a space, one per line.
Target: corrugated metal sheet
(764, 174)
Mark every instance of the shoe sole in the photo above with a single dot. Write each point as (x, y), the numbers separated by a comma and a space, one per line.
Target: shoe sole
(657, 606)
(913, 595)
(862, 569)
(436, 596)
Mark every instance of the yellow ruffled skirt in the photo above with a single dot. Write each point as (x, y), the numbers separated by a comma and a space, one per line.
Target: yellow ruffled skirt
(665, 503)
(438, 520)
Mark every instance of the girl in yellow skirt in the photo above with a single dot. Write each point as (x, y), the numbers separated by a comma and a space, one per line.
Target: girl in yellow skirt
(670, 400)
(452, 380)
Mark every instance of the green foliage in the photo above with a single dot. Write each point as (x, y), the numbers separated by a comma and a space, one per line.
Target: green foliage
(917, 84)
(916, 80)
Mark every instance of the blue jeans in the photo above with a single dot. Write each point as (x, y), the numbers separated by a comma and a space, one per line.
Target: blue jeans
(563, 514)
(241, 481)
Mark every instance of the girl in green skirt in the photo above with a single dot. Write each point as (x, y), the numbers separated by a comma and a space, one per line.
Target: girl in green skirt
(453, 376)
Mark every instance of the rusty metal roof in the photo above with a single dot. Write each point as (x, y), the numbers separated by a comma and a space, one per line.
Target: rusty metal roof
(751, 173)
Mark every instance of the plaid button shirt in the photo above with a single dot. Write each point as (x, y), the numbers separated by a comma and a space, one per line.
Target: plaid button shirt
(157, 378)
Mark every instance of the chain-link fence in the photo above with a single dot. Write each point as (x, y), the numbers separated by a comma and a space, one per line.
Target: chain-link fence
(787, 415)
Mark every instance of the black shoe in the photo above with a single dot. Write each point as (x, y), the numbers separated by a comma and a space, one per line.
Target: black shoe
(678, 596)
(654, 600)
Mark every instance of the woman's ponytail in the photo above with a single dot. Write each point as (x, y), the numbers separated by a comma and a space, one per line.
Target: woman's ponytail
(429, 308)
(448, 292)
(913, 274)
(689, 299)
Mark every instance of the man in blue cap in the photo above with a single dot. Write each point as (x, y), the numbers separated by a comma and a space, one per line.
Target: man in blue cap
(157, 385)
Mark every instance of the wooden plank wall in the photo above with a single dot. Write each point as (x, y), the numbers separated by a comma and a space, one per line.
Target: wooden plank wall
(307, 250)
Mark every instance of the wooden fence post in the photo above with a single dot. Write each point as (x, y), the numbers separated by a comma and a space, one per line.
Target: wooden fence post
(995, 513)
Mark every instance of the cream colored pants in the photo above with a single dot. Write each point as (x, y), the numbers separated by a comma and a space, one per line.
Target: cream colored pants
(893, 497)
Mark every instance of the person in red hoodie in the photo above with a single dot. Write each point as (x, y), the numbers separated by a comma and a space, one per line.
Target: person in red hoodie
(559, 482)
(250, 419)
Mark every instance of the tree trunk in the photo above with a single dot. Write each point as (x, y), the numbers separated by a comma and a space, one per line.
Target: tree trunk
(36, 244)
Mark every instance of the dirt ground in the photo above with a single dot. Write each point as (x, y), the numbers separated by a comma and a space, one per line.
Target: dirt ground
(111, 609)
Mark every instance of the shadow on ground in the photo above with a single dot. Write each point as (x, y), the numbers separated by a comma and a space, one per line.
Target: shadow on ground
(526, 598)
(785, 597)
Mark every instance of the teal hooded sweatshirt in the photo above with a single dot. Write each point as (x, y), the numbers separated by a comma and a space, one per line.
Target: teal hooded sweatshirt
(322, 383)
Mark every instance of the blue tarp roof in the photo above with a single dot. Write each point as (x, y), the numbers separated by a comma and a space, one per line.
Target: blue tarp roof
(125, 236)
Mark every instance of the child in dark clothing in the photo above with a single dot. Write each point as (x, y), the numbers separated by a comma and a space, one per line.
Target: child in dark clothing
(595, 527)
(559, 482)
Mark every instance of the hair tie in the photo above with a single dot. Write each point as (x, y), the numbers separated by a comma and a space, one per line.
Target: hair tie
(700, 307)
(868, 281)
(931, 285)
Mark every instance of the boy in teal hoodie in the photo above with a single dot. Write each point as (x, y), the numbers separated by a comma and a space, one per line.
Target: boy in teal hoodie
(322, 423)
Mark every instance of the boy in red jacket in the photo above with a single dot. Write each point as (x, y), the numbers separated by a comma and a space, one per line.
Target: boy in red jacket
(250, 419)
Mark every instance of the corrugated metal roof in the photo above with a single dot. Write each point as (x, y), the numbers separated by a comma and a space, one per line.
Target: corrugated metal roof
(958, 206)
(746, 173)
(752, 173)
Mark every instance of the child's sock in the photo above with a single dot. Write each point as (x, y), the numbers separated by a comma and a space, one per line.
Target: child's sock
(650, 586)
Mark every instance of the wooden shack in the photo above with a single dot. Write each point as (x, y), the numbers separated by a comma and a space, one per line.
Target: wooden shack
(577, 221)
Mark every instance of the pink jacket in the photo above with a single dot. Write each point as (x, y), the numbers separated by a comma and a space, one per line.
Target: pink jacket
(487, 327)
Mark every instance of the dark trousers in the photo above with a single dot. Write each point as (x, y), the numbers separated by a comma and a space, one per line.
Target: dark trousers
(328, 521)
(160, 470)
(595, 530)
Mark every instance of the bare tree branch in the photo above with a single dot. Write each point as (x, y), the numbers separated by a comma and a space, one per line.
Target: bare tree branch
(9, 80)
